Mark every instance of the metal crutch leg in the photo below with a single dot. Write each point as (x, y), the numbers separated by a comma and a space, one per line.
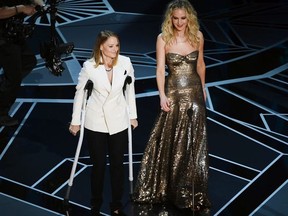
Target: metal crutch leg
(130, 155)
(87, 93)
(130, 152)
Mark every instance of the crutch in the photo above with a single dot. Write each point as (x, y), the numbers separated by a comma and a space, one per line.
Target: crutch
(130, 152)
(87, 92)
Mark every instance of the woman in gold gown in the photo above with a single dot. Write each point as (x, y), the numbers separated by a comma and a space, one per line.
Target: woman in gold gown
(174, 166)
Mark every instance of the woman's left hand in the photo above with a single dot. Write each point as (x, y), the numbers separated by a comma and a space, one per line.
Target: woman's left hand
(134, 123)
(74, 129)
(204, 93)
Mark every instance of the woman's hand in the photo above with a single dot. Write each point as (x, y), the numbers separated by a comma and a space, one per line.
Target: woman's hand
(26, 9)
(134, 123)
(74, 129)
(204, 93)
(164, 103)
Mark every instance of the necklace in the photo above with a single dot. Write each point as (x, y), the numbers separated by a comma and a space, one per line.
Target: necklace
(109, 70)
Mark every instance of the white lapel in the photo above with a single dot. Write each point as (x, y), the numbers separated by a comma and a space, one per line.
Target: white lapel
(104, 78)
(118, 77)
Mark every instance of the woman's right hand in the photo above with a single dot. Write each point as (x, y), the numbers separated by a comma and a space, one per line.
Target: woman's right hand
(26, 9)
(74, 129)
(164, 103)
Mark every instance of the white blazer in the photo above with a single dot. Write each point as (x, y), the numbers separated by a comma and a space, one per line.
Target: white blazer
(106, 109)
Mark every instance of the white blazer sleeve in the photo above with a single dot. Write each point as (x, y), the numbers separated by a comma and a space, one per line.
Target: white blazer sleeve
(130, 91)
(79, 95)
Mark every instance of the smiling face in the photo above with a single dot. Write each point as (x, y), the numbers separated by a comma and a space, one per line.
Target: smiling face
(110, 48)
(179, 19)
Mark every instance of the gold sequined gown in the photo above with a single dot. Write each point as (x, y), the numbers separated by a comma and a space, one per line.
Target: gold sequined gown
(174, 166)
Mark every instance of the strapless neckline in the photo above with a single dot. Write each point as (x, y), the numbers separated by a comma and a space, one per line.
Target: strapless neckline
(181, 54)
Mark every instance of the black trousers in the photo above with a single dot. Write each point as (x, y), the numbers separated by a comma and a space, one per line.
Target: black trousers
(98, 145)
(17, 61)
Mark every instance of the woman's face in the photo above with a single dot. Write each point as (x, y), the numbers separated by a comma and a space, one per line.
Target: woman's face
(110, 47)
(179, 19)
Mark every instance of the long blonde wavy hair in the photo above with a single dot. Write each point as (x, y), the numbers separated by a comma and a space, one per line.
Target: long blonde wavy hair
(192, 26)
(102, 37)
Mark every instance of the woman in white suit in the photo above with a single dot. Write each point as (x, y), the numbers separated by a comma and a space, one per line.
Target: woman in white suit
(107, 118)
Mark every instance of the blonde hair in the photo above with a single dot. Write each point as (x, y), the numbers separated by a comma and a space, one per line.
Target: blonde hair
(102, 37)
(192, 26)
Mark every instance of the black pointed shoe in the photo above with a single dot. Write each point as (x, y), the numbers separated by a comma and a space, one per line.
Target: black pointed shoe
(118, 213)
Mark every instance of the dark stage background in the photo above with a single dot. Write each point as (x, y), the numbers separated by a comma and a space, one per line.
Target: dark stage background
(247, 78)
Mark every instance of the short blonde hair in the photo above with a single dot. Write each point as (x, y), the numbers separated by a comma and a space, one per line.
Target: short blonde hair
(192, 26)
(102, 37)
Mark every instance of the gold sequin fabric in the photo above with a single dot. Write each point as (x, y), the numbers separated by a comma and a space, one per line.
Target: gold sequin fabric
(174, 166)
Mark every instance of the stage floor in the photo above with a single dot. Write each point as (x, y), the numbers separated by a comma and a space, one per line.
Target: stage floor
(247, 78)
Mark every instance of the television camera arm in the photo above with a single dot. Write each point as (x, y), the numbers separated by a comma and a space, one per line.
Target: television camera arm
(52, 51)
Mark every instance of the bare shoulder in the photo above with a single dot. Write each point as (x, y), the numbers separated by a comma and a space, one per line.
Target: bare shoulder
(200, 35)
(160, 40)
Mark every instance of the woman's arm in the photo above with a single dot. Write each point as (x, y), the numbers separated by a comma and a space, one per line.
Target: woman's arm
(78, 100)
(7, 12)
(201, 67)
(160, 72)
(132, 98)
